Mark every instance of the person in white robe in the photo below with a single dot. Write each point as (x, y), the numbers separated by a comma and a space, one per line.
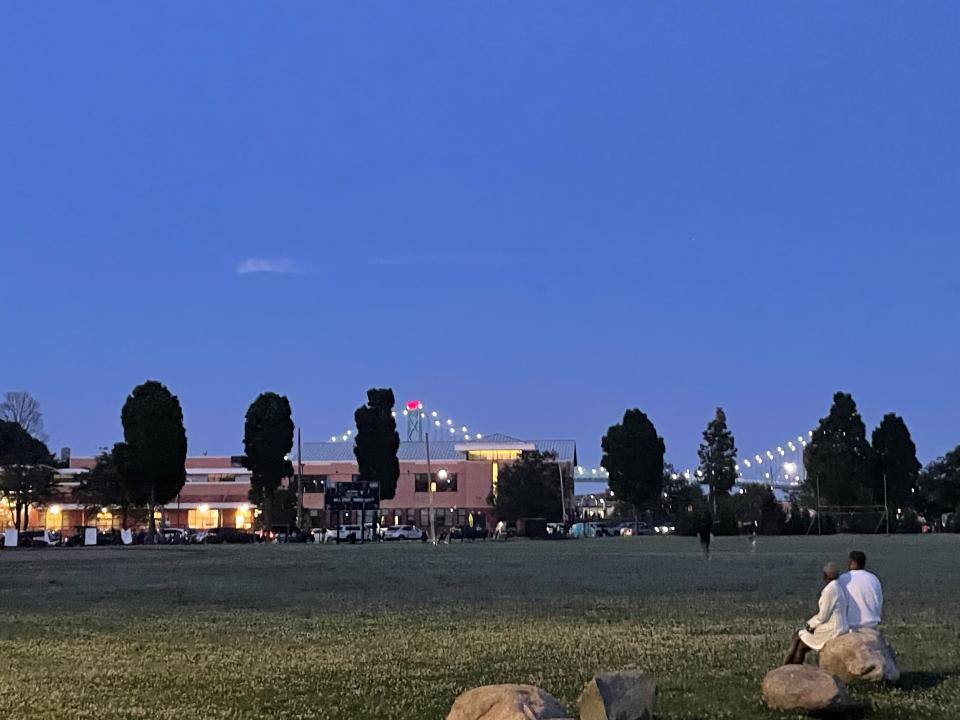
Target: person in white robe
(830, 620)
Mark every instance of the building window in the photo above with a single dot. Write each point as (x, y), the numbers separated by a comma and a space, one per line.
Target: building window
(421, 484)
(493, 454)
(243, 520)
(203, 518)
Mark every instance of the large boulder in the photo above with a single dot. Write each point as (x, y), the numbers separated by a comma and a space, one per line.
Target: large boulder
(627, 695)
(804, 687)
(506, 702)
(862, 654)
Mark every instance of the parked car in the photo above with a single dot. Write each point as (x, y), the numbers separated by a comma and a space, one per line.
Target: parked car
(634, 528)
(174, 536)
(324, 535)
(348, 532)
(403, 532)
(38, 538)
(286, 534)
(229, 535)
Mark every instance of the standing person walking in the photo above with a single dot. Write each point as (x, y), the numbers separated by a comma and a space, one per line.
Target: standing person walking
(704, 533)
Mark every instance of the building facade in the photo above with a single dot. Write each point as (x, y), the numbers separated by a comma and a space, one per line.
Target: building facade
(216, 492)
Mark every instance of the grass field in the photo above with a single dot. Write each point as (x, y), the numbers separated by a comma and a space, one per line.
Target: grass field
(398, 630)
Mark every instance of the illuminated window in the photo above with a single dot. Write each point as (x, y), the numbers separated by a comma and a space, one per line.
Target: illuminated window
(203, 518)
(493, 454)
(495, 472)
(243, 520)
(104, 520)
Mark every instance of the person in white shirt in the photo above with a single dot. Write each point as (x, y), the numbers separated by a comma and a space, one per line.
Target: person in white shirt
(830, 621)
(865, 609)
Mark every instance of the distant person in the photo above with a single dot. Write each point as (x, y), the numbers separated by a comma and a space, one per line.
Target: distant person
(753, 538)
(500, 531)
(830, 621)
(704, 532)
(865, 609)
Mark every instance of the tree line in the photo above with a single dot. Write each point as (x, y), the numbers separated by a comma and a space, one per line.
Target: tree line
(146, 470)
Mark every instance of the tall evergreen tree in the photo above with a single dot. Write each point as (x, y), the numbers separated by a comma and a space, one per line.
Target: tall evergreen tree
(267, 442)
(633, 458)
(378, 441)
(839, 455)
(895, 462)
(151, 459)
(718, 458)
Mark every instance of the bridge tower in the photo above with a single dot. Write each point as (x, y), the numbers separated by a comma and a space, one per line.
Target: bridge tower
(414, 413)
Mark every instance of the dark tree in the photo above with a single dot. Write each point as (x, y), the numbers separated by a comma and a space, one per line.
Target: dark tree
(152, 458)
(895, 460)
(718, 458)
(22, 408)
(377, 441)
(683, 501)
(26, 474)
(839, 455)
(633, 459)
(756, 505)
(528, 488)
(104, 486)
(940, 485)
(267, 441)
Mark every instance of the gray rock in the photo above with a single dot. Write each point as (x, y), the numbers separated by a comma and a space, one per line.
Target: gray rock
(628, 695)
(862, 654)
(804, 687)
(506, 702)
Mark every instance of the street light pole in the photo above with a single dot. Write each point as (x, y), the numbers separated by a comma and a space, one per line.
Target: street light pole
(433, 535)
(299, 483)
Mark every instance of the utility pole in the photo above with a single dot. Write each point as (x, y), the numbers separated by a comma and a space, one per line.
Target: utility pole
(886, 504)
(299, 483)
(433, 533)
(563, 498)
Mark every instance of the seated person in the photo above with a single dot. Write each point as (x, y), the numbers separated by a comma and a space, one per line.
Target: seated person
(865, 608)
(829, 622)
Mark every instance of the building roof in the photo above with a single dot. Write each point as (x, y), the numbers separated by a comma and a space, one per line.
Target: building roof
(342, 452)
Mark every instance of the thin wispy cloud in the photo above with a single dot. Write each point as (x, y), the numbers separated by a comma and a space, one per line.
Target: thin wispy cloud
(449, 259)
(282, 266)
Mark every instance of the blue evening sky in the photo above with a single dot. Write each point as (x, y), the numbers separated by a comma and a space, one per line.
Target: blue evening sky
(531, 215)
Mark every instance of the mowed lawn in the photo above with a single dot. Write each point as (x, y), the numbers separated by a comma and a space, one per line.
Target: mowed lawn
(398, 630)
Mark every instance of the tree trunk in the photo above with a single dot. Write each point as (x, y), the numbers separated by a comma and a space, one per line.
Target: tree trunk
(152, 533)
(124, 509)
(267, 514)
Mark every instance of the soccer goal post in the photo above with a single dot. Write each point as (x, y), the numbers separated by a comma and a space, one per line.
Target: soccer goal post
(855, 518)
